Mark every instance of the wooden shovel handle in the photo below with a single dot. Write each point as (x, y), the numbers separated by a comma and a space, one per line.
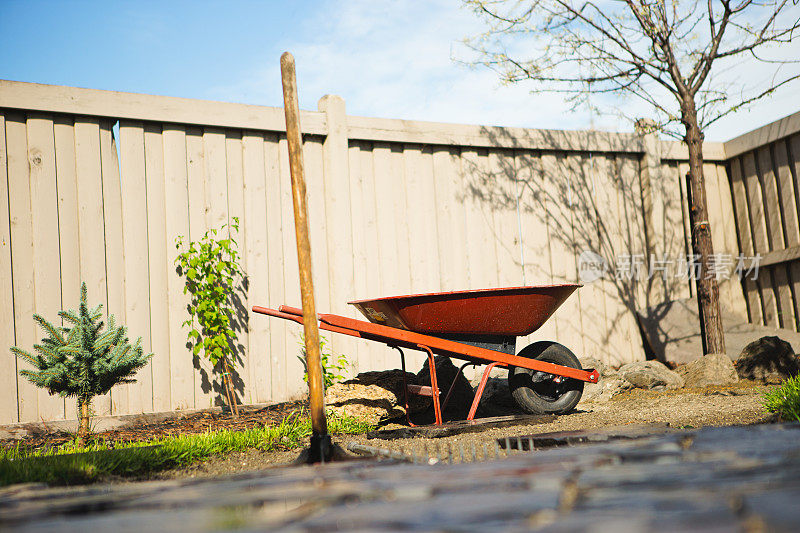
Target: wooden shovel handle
(311, 329)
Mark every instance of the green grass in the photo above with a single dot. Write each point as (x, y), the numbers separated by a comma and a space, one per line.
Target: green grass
(69, 464)
(785, 400)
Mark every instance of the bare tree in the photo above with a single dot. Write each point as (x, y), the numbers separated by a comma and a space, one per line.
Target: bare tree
(679, 57)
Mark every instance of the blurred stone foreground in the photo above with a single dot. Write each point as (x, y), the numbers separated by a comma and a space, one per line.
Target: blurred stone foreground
(711, 479)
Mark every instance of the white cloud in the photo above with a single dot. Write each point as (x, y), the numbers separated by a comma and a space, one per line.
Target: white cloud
(394, 59)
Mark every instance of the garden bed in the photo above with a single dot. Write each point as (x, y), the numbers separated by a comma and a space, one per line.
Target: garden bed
(181, 424)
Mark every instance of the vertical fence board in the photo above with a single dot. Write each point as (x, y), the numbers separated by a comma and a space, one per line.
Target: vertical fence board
(784, 312)
(450, 219)
(115, 251)
(257, 263)
(793, 166)
(44, 219)
(793, 145)
(758, 224)
(593, 310)
(784, 315)
(387, 249)
(739, 192)
(481, 250)
(176, 223)
(91, 223)
(198, 208)
(358, 240)
(505, 226)
(19, 195)
(235, 176)
(772, 206)
(290, 293)
(789, 207)
(375, 356)
(67, 180)
(429, 203)
(317, 226)
(612, 247)
(788, 195)
(196, 192)
(725, 242)
(137, 277)
(401, 238)
(276, 259)
(216, 213)
(318, 233)
(421, 221)
(535, 240)
(562, 247)
(627, 189)
(157, 253)
(8, 363)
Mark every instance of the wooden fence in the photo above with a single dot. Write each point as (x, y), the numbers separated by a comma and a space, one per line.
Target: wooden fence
(395, 207)
(764, 169)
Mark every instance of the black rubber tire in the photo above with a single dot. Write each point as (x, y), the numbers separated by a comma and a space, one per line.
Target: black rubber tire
(536, 392)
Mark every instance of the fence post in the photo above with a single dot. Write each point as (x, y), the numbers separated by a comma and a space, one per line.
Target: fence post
(338, 218)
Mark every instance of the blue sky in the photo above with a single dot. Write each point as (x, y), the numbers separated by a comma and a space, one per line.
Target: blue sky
(386, 58)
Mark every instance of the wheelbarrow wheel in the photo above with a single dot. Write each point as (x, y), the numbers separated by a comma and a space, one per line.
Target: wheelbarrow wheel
(542, 393)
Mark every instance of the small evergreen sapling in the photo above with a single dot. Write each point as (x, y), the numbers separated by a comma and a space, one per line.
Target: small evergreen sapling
(81, 360)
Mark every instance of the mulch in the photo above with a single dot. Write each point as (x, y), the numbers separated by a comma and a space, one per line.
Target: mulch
(183, 424)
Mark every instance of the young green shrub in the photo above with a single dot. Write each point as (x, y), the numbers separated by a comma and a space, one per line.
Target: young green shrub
(82, 360)
(785, 400)
(333, 367)
(210, 267)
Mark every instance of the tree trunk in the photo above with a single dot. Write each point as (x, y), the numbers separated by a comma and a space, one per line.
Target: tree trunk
(702, 246)
(83, 425)
(230, 391)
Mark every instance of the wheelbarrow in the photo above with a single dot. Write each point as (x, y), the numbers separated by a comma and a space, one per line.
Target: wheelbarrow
(476, 326)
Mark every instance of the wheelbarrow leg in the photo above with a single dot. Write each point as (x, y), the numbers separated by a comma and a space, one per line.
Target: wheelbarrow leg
(405, 386)
(437, 408)
(479, 392)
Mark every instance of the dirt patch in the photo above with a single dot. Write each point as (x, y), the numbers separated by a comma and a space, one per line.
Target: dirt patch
(737, 404)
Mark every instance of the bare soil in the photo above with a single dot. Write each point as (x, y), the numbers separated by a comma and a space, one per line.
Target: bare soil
(738, 404)
(184, 424)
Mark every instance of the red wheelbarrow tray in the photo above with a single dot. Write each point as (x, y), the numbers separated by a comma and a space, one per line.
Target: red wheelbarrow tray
(516, 311)
(424, 321)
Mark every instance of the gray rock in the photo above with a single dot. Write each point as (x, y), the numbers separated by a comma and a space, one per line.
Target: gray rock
(711, 369)
(605, 389)
(609, 385)
(769, 360)
(372, 396)
(672, 330)
(461, 398)
(496, 393)
(650, 374)
(597, 364)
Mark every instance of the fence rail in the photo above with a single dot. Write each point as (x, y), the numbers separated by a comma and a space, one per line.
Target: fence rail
(394, 207)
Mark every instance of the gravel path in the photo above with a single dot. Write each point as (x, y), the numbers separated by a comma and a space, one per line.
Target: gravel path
(738, 404)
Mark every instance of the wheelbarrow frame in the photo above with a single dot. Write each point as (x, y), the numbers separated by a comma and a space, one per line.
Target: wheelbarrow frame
(400, 338)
